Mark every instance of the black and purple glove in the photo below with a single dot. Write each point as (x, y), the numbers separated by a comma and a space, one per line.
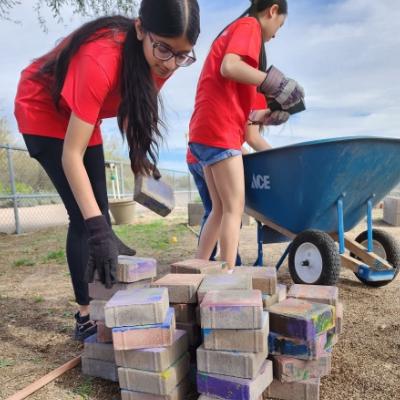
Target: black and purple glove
(287, 92)
(103, 251)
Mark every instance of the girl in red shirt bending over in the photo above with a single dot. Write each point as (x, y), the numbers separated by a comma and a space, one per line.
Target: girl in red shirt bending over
(113, 66)
(233, 73)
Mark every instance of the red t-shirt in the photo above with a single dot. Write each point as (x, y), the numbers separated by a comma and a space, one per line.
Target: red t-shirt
(222, 105)
(91, 91)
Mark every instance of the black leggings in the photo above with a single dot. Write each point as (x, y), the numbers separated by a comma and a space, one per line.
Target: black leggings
(48, 152)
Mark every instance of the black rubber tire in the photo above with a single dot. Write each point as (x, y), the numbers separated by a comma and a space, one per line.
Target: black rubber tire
(392, 250)
(329, 254)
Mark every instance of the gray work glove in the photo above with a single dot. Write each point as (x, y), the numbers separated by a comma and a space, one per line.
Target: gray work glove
(287, 92)
(103, 251)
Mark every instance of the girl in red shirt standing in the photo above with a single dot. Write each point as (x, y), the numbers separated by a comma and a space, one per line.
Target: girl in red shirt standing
(232, 74)
(113, 66)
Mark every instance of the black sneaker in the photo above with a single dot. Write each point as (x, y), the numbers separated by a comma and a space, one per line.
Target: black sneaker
(123, 249)
(84, 327)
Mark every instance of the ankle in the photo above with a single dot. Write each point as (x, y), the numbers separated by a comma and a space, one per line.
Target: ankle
(84, 310)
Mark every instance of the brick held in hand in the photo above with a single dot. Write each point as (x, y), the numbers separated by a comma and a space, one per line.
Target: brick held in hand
(154, 194)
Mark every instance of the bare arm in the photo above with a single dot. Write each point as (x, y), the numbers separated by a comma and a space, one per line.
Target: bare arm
(233, 67)
(254, 138)
(75, 144)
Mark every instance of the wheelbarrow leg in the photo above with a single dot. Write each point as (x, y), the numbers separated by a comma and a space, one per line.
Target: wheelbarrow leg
(369, 225)
(260, 240)
(284, 255)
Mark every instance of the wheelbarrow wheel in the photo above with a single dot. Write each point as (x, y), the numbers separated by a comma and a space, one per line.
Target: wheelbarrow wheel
(386, 247)
(314, 259)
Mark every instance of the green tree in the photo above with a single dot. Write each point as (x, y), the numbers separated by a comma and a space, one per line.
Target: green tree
(80, 7)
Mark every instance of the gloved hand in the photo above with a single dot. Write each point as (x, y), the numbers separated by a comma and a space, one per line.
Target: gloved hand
(276, 118)
(151, 169)
(285, 91)
(268, 117)
(103, 251)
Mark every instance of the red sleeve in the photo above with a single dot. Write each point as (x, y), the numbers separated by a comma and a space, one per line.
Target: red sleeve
(245, 41)
(85, 88)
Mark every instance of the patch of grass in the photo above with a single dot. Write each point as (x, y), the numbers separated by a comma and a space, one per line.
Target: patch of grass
(38, 299)
(4, 362)
(85, 389)
(23, 262)
(156, 235)
(57, 256)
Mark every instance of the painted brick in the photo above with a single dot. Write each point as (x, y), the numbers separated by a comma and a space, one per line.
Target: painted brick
(332, 339)
(104, 334)
(269, 300)
(99, 369)
(282, 292)
(244, 340)
(339, 318)
(160, 383)
(204, 397)
(98, 351)
(224, 282)
(182, 288)
(179, 393)
(99, 292)
(137, 307)
(154, 359)
(305, 390)
(315, 293)
(264, 278)
(197, 266)
(154, 194)
(184, 312)
(232, 309)
(193, 332)
(289, 369)
(391, 210)
(232, 363)
(227, 387)
(133, 269)
(299, 348)
(144, 336)
(301, 319)
(97, 310)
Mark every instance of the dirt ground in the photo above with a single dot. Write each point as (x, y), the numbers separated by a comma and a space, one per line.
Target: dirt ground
(37, 306)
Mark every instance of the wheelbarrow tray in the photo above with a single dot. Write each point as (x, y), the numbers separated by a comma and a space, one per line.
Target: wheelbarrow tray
(297, 187)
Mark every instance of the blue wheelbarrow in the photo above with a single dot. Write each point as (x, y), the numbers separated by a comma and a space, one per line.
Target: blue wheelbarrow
(312, 193)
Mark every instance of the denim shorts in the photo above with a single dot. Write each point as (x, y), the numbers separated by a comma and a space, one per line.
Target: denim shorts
(208, 155)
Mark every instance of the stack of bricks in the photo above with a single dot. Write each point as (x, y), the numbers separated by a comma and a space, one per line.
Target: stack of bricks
(303, 331)
(232, 361)
(151, 354)
(182, 291)
(265, 280)
(188, 315)
(98, 358)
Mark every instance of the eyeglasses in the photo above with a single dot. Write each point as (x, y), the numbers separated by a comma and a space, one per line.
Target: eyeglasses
(165, 53)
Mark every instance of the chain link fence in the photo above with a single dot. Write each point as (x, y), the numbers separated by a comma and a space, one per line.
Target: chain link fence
(28, 200)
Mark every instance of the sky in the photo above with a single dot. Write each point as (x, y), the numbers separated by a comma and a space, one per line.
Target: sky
(344, 53)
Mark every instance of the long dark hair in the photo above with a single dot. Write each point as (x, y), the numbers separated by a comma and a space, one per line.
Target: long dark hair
(257, 6)
(138, 114)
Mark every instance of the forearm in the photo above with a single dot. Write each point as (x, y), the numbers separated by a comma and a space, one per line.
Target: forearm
(75, 144)
(79, 182)
(258, 143)
(234, 68)
(254, 138)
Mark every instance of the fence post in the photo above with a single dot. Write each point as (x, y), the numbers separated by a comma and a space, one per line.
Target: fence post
(13, 189)
(189, 188)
